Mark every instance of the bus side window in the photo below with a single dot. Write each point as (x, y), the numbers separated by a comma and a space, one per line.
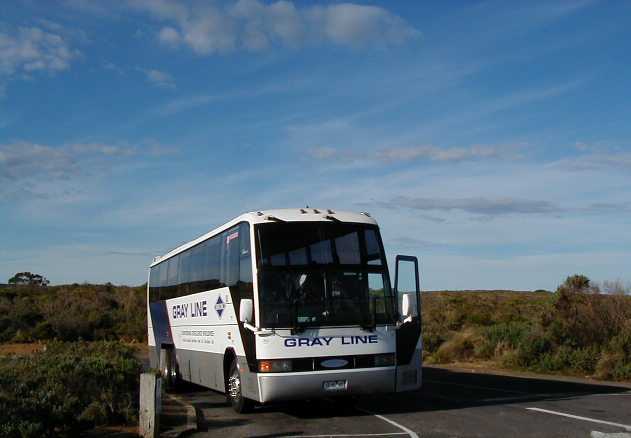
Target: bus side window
(197, 269)
(183, 287)
(154, 283)
(230, 256)
(212, 267)
(245, 260)
(163, 280)
(172, 272)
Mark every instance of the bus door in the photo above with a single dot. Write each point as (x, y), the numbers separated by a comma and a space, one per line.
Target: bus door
(409, 342)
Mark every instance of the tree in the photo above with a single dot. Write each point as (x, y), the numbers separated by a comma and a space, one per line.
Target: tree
(28, 279)
(577, 284)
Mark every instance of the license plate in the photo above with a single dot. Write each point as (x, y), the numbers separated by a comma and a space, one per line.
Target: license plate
(334, 385)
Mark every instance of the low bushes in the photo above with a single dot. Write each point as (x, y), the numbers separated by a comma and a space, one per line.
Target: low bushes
(575, 330)
(67, 388)
(72, 312)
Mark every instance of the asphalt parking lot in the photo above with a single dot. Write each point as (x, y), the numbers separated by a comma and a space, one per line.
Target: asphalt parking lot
(452, 403)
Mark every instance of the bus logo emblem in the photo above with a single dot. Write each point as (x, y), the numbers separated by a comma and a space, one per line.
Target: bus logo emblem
(220, 306)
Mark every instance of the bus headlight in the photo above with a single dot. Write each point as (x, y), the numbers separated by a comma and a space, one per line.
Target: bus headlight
(384, 360)
(275, 366)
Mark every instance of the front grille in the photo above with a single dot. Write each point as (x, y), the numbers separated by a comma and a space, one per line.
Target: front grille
(303, 364)
(333, 362)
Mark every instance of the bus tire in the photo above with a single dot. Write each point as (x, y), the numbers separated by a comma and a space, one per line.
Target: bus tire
(234, 393)
(168, 369)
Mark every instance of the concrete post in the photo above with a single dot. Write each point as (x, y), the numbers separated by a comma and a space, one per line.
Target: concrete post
(150, 404)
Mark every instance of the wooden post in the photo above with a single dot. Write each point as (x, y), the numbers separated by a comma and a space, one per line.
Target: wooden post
(150, 404)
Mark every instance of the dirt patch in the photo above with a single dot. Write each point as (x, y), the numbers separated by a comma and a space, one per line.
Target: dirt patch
(20, 349)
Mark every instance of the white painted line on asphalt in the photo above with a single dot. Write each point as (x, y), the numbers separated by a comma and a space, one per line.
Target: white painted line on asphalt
(409, 432)
(466, 385)
(596, 434)
(576, 417)
(345, 435)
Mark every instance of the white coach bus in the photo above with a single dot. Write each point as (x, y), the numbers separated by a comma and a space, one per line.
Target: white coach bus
(286, 304)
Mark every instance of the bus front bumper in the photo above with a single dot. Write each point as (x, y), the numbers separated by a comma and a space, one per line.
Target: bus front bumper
(316, 384)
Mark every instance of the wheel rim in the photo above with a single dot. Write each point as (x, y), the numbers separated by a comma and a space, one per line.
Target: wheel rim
(234, 385)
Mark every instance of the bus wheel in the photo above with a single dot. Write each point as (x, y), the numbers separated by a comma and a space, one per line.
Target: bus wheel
(168, 368)
(234, 394)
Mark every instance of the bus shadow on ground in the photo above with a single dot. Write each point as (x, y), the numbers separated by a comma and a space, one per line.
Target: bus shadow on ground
(442, 389)
(446, 390)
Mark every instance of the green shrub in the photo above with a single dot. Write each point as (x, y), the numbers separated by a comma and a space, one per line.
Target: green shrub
(501, 337)
(532, 349)
(432, 341)
(459, 347)
(574, 330)
(68, 388)
(613, 366)
(107, 313)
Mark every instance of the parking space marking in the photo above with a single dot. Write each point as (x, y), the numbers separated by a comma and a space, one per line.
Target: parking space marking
(577, 417)
(407, 431)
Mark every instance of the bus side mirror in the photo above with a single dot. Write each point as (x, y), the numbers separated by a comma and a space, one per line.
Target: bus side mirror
(245, 310)
(407, 286)
(406, 306)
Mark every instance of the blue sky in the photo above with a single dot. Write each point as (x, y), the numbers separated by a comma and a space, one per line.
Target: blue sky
(491, 139)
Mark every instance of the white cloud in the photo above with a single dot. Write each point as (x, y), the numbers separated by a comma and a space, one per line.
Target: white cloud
(480, 206)
(425, 152)
(350, 24)
(186, 103)
(30, 170)
(324, 153)
(597, 161)
(31, 49)
(434, 153)
(169, 36)
(114, 68)
(255, 25)
(159, 78)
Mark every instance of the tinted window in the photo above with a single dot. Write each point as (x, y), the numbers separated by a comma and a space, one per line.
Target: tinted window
(322, 274)
(318, 243)
(347, 248)
(211, 266)
(231, 256)
(154, 283)
(321, 252)
(373, 251)
(170, 291)
(245, 256)
(197, 267)
(184, 275)
(223, 260)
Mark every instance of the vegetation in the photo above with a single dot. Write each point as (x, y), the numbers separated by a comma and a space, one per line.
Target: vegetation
(575, 330)
(72, 312)
(82, 375)
(27, 278)
(68, 388)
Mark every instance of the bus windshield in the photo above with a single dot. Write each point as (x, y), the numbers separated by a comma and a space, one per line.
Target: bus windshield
(314, 274)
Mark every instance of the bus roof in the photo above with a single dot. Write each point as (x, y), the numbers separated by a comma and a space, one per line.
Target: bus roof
(276, 215)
